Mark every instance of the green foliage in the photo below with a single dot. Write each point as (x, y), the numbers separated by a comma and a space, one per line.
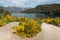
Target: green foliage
(1, 9)
(50, 9)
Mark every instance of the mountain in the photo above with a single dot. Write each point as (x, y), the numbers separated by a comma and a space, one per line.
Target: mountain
(15, 9)
(46, 9)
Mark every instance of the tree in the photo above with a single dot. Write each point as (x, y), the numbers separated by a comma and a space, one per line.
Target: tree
(6, 13)
(1, 10)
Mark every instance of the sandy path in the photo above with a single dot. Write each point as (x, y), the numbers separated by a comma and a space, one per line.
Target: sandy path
(6, 31)
(49, 32)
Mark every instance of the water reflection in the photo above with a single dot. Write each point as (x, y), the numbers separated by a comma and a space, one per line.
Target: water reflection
(24, 14)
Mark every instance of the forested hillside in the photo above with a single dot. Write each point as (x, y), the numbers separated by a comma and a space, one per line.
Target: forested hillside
(46, 9)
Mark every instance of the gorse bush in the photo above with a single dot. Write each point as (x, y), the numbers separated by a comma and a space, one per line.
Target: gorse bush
(27, 27)
(2, 22)
(6, 19)
(54, 21)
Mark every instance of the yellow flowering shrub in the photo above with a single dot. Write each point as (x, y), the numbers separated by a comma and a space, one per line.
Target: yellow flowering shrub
(54, 21)
(6, 19)
(2, 23)
(27, 27)
(48, 20)
(9, 18)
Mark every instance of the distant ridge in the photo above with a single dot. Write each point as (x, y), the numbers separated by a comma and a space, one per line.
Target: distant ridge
(51, 9)
(14, 9)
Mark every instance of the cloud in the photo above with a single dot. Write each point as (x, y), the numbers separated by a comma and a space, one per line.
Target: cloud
(25, 3)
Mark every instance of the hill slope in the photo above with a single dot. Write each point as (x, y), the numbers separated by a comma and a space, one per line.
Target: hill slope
(46, 9)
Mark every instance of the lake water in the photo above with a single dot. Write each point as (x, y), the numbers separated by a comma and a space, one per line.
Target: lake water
(32, 15)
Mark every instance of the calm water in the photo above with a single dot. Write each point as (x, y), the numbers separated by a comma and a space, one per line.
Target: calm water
(30, 15)
(24, 14)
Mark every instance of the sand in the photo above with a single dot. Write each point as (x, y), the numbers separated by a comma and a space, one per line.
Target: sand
(49, 32)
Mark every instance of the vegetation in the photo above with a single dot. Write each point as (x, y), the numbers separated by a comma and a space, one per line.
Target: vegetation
(51, 9)
(27, 27)
(54, 21)
(6, 19)
(1, 9)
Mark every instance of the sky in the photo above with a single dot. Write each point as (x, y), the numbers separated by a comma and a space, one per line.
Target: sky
(26, 3)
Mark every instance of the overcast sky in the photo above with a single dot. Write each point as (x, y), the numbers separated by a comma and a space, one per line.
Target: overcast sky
(26, 3)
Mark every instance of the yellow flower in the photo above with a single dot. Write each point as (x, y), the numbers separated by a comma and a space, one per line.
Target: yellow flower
(57, 20)
(2, 23)
(9, 17)
(43, 20)
(23, 23)
(48, 20)
(14, 31)
(33, 21)
(23, 34)
(19, 27)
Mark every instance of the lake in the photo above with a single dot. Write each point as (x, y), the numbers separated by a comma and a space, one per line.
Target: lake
(32, 15)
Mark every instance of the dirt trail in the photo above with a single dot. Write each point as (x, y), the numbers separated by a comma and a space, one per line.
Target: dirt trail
(49, 32)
